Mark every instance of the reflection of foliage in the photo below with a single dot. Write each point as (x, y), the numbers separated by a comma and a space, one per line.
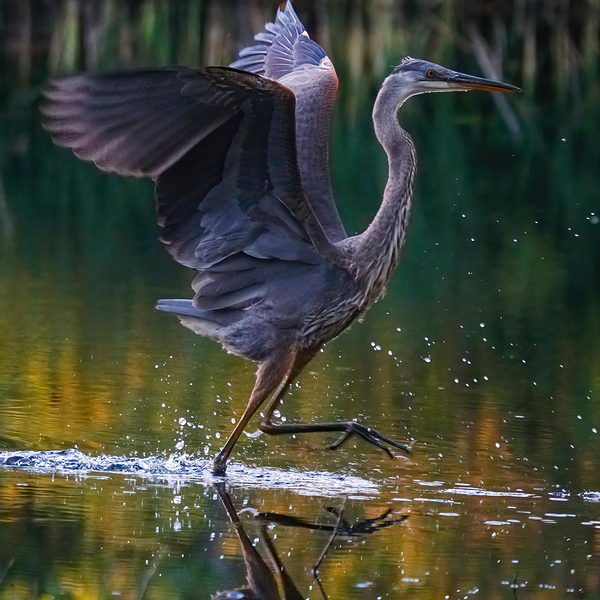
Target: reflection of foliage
(87, 539)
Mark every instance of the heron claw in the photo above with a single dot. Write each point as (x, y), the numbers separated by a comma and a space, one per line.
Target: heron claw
(371, 436)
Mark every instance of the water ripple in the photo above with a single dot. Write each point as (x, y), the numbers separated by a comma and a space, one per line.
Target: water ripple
(590, 496)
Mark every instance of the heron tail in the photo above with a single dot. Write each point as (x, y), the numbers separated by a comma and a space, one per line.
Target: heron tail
(180, 307)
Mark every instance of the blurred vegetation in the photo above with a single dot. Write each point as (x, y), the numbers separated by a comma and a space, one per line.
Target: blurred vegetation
(551, 46)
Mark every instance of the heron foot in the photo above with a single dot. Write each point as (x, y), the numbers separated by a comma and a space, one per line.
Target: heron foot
(371, 436)
(219, 465)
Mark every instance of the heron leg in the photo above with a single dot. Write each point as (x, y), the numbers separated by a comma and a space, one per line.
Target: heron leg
(271, 381)
(347, 428)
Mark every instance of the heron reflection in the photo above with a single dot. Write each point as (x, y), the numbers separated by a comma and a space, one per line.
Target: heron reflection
(269, 579)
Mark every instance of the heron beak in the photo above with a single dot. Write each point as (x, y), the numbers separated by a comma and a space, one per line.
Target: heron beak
(463, 82)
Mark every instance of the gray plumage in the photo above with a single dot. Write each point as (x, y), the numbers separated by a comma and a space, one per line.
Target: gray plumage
(239, 157)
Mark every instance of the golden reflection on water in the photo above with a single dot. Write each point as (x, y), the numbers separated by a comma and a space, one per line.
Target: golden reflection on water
(122, 379)
(109, 533)
(478, 487)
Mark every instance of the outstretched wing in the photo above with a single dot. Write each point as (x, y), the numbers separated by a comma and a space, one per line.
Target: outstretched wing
(135, 122)
(283, 46)
(285, 52)
(220, 145)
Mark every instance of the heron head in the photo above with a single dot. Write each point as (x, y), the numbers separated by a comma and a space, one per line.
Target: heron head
(417, 76)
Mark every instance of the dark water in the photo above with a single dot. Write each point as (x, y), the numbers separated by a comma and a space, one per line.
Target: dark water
(485, 352)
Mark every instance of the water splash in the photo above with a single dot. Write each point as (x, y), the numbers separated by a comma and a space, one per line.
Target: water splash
(181, 468)
(474, 491)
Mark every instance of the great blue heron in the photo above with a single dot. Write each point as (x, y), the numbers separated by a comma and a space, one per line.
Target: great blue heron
(239, 157)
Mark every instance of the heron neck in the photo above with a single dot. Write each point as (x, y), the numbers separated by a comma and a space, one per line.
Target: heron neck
(377, 249)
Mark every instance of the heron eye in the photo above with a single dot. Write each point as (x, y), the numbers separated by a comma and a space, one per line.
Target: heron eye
(430, 73)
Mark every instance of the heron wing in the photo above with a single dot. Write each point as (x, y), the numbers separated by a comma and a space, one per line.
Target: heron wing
(136, 122)
(284, 51)
(281, 48)
(220, 145)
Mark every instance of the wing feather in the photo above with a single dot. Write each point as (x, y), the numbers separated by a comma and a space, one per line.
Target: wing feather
(112, 119)
(285, 52)
(220, 145)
